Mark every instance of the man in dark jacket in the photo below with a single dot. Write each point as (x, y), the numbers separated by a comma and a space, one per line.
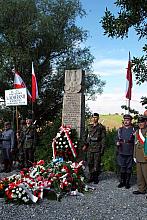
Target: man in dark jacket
(125, 147)
(94, 144)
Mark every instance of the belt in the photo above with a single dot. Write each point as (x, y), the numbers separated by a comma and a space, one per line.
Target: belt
(126, 142)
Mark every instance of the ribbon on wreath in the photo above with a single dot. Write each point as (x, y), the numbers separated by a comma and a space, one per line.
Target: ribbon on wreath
(54, 148)
(71, 145)
(66, 130)
(142, 140)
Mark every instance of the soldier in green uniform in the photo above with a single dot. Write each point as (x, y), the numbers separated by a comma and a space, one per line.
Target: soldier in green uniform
(139, 156)
(94, 144)
(20, 141)
(29, 143)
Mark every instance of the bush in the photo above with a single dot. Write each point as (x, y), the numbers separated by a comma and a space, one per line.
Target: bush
(109, 157)
(45, 138)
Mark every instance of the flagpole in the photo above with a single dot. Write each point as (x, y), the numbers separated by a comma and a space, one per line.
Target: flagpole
(16, 119)
(129, 83)
(129, 98)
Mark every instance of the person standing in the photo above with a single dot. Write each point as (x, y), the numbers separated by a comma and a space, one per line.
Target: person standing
(140, 157)
(20, 139)
(7, 146)
(94, 144)
(125, 146)
(29, 143)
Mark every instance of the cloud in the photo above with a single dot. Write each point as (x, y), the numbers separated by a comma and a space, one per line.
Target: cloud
(112, 102)
(110, 67)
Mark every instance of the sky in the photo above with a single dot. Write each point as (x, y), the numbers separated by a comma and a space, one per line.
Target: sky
(111, 60)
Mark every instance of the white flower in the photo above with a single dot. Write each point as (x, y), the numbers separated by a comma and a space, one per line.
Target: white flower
(66, 146)
(60, 143)
(64, 142)
(14, 196)
(19, 195)
(61, 146)
(60, 139)
(23, 192)
(20, 189)
(13, 190)
(75, 145)
(58, 135)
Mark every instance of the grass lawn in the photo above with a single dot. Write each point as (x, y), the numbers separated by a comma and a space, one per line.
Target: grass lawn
(111, 121)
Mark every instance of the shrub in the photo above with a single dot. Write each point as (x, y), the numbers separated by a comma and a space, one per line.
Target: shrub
(109, 157)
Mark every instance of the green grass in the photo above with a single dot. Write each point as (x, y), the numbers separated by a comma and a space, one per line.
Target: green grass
(111, 121)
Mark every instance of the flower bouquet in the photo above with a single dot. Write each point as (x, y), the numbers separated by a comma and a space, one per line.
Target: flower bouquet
(61, 176)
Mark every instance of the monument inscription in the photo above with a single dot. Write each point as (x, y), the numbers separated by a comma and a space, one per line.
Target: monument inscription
(74, 102)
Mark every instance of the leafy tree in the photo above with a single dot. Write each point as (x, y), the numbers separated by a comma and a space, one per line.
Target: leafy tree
(132, 14)
(45, 32)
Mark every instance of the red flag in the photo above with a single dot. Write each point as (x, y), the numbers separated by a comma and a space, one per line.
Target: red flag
(34, 85)
(129, 81)
(19, 83)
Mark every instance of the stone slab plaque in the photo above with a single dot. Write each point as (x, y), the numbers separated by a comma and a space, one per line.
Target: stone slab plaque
(73, 112)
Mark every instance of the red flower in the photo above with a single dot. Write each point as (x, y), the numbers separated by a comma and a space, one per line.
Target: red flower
(40, 162)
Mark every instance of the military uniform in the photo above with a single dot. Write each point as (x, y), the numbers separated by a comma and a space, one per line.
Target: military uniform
(141, 160)
(125, 147)
(95, 141)
(21, 139)
(7, 147)
(29, 145)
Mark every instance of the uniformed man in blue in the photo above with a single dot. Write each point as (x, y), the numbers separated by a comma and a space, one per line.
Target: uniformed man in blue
(94, 144)
(7, 146)
(125, 148)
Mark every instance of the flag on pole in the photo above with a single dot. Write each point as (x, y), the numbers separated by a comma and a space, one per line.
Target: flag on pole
(129, 80)
(19, 83)
(34, 85)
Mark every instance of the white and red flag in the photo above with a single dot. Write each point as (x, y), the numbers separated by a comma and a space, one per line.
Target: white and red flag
(129, 80)
(34, 85)
(19, 83)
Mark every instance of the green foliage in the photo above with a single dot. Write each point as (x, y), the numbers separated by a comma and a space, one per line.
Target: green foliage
(46, 33)
(44, 145)
(109, 157)
(131, 14)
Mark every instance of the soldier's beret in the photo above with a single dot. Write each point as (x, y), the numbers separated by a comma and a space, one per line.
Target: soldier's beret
(127, 116)
(95, 115)
(141, 119)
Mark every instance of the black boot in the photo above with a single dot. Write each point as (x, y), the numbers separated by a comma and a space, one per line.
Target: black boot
(96, 180)
(128, 176)
(91, 178)
(122, 180)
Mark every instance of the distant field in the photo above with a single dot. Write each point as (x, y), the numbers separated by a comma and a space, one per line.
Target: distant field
(111, 121)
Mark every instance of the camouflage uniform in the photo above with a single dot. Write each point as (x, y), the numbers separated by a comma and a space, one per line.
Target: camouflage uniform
(141, 162)
(21, 139)
(29, 145)
(95, 141)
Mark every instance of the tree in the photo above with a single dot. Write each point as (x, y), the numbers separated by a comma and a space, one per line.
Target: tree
(132, 14)
(44, 31)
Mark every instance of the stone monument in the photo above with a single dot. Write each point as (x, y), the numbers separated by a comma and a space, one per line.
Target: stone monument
(74, 100)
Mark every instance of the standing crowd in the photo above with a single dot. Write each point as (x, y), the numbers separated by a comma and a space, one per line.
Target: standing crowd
(19, 146)
(131, 147)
